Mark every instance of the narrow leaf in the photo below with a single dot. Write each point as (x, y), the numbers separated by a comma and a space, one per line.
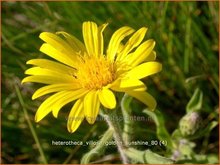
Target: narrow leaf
(195, 103)
(147, 156)
(162, 132)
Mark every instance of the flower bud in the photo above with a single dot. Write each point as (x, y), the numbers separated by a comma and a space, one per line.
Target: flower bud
(190, 123)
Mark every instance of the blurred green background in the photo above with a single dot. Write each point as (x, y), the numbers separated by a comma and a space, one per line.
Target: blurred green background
(186, 35)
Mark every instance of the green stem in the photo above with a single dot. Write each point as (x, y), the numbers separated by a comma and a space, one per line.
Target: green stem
(30, 125)
(99, 149)
(68, 159)
(128, 123)
(113, 122)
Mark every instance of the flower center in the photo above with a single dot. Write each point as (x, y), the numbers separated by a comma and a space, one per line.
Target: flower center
(94, 72)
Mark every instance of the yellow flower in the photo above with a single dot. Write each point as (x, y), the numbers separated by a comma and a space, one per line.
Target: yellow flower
(87, 74)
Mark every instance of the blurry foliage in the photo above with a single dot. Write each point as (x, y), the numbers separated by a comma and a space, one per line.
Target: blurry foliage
(186, 35)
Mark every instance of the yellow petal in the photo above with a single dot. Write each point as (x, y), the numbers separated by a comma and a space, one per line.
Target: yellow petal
(115, 41)
(144, 97)
(120, 48)
(141, 53)
(151, 57)
(122, 85)
(67, 99)
(133, 42)
(52, 65)
(57, 43)
(76, 44)
(58, 55)
(47, 72)
(76, 116)
(100, 37)
(54, 88)
(93, 38)
(144, 70)
(46, 106)
(91, 106)
(107, 98)
(47, 79)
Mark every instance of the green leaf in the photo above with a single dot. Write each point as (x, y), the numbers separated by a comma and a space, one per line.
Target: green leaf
(213, 159)
(176, 135)
(207, 159)
(146, 156)
(162, 132)
(195, 103)
(186, 149)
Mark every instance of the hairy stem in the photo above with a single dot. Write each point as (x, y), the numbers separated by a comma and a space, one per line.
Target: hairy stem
(113, 123)
(128, 123)
(99, 149)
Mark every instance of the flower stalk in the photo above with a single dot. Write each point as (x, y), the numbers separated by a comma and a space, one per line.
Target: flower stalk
(128, 123)
(113, 123)
(99, 149)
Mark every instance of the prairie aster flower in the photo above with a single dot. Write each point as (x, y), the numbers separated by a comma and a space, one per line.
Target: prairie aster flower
(85, 74)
